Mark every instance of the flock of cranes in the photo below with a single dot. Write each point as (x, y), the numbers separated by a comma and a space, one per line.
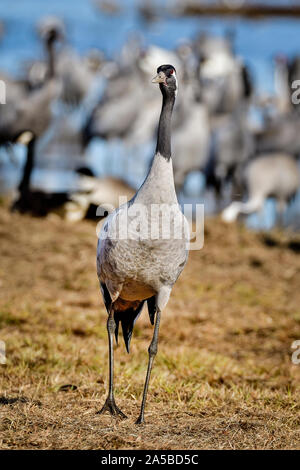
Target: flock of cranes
(212, 132)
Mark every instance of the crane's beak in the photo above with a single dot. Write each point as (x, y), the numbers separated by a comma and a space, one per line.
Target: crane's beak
(159, 78)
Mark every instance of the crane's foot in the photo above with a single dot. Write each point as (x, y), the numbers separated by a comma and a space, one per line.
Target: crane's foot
(110, 405)
(140, 420)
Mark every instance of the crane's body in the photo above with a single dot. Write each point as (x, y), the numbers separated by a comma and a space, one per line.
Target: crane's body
(137, 266)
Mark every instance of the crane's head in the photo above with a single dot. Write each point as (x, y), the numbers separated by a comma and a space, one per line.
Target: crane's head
(166, 77)
(51, 29)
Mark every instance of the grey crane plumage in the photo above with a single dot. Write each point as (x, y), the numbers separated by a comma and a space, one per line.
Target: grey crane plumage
(31, 113)
(138, 260)
(224, 78)
(280, 134)
(269, 175)
(191, 138)
(232, 146)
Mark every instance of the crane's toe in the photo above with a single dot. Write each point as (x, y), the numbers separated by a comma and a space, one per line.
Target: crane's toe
(140, 420)
(112, 408)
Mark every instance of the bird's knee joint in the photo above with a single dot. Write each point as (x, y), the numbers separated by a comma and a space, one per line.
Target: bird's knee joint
(152, 350)
(111, 325)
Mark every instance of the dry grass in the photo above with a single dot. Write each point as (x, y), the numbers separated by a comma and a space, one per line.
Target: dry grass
(223, 377)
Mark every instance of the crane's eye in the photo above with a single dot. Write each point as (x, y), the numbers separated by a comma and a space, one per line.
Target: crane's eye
(171, 71)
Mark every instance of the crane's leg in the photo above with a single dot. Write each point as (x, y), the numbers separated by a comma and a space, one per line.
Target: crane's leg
(281, 207)
(110, 404)
(152, 353)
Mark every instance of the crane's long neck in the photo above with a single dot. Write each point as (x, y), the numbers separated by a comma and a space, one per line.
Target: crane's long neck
(163, 146)
(158, 186)
(25, 182)
(51, 58)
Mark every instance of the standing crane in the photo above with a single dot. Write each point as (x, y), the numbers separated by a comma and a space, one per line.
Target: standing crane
(139, 257)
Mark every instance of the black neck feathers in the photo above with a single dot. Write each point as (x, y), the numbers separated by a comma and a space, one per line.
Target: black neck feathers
(24, 184)
(51, 58)
(164, 127)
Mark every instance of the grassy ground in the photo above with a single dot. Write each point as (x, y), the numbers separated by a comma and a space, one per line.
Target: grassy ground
(223, 376)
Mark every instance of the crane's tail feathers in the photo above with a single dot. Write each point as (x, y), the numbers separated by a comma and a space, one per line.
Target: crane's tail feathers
(127, 318)
(117, 321)
(151, 309)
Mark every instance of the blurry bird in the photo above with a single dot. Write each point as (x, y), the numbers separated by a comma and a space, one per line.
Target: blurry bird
(280, 134)
(282, 85)
(273, 175)
(225, 79)
(281, 122)
(141, 266)
(31, 111)
(77, 74)
(51, 30)
(118, 109)
(94, 194)
(36, 202)
(232, 146)
(191, 141)
(125, 110)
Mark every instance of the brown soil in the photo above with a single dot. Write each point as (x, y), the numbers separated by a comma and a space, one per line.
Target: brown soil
(223, 377)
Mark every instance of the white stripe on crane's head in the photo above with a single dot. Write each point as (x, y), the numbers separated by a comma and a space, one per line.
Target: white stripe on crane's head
(175, 76)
